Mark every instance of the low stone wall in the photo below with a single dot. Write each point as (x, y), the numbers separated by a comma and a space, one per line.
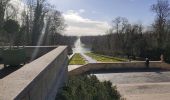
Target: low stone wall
(38, 80)
(119, 65)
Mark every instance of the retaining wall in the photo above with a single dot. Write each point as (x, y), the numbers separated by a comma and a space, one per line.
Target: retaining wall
(119, 65)
(38, 80)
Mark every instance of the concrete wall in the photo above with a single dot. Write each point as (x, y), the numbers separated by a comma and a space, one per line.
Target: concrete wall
(119, 65)
(38, 80)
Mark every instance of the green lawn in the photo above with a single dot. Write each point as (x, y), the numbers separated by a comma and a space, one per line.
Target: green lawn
(103, 58)
(77, 59)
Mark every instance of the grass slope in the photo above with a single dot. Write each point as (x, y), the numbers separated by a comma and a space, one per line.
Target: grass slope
(77, 59)
(103, 58)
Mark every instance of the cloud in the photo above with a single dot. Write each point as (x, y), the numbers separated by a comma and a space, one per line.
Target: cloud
(81, 10)
(94, 12)
(78, 25)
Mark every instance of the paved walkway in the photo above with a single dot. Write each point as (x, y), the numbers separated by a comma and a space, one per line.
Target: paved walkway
(89, 59)
(72, 67)
(146, 91)
(153, 85)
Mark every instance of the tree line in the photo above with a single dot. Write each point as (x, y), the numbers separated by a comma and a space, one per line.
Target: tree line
(134, 40)
(39, 23)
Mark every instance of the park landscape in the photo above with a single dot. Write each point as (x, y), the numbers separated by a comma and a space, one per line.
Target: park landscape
(61, 55)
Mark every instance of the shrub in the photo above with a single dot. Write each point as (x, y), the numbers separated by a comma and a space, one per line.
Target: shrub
(88, 88)
(167, 54)
(11, 26)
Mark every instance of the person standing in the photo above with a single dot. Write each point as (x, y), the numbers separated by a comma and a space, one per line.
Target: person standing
(162, 58)
(147, 62)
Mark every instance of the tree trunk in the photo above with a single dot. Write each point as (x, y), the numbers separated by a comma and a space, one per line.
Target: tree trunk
(2, 13)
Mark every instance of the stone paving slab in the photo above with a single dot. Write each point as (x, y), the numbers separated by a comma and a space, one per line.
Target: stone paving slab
(165, 96)
(135, 77)
(72, 67)
(145, 88)
(145, 91)
(140, 85)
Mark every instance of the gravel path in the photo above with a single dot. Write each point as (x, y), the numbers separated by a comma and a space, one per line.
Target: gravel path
(89, 59)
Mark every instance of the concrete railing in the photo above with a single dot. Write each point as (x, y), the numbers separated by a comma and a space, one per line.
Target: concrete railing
(119, 65)
(38, 80)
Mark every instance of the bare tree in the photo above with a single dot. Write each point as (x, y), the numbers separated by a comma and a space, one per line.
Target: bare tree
(3, 5)
(54, 25)
(162, 10)
(120, 26)
(41, 18)
(38, 22)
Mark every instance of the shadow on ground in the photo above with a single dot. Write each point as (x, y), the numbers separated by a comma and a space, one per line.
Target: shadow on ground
(101, 71)
(8, 70)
